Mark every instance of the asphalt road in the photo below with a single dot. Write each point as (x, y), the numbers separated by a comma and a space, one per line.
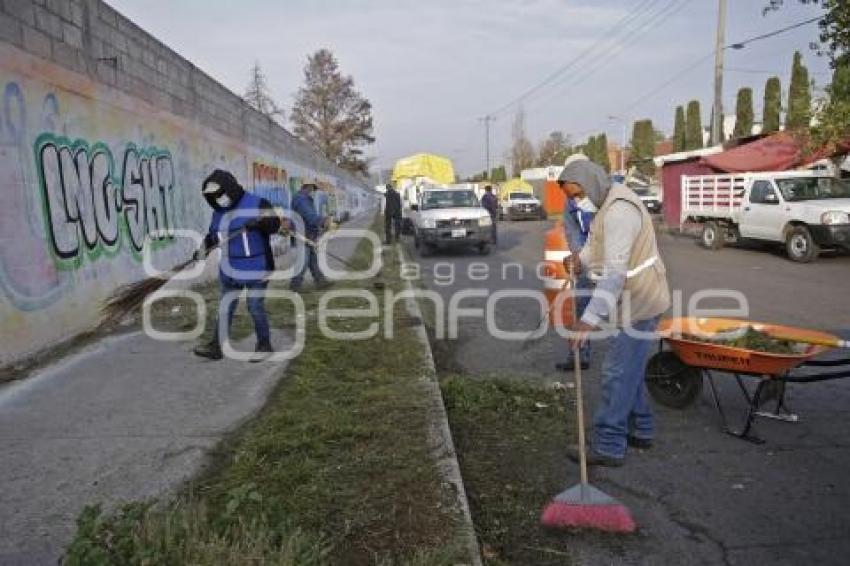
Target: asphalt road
(699, 496)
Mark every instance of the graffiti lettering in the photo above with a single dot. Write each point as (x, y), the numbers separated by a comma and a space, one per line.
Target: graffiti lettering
(83, 201)
(270, 183)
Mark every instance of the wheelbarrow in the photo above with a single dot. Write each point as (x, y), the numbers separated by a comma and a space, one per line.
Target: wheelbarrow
(675, 377)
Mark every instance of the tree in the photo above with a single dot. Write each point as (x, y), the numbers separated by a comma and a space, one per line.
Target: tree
(257, 94)
(330, 115)
(679, 130)
(499, 174)
(643, 146)
(834, 27)
(799, 96)
(554, 149)
(693, 127)
(602, 152)
(744, 114)
(522, 152)
(833, 125)
(772, 105)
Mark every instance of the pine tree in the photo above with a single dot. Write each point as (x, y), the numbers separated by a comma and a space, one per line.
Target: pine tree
(643, 146)
(772, 105)
(744, 114)
(693, 127)
(258, 96)
(498, 174)
(799, 96)
(679, 130)
(331, 115)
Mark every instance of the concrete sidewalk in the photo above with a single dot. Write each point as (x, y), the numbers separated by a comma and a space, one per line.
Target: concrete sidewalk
(128, 418)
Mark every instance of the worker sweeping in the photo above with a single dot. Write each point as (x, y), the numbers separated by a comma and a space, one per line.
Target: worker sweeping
(631, 293)
(242, 224)
(304, 205)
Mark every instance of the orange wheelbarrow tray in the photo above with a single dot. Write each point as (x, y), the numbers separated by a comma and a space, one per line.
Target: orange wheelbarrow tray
(674, 377)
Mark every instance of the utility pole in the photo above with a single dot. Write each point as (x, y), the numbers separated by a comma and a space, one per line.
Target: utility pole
(717, 117)
(487, 119)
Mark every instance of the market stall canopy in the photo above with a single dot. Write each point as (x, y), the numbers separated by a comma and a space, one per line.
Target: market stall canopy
(434, 167)
(515, 186)
(777, 152)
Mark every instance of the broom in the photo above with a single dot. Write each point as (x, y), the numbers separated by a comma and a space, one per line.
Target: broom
(584, 506)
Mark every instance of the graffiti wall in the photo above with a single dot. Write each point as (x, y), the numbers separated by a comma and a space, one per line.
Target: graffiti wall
(89, 176)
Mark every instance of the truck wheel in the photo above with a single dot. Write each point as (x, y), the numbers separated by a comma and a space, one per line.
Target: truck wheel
(712, 236)
(800, 245)
(671, 382)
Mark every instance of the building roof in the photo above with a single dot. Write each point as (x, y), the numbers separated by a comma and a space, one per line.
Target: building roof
(685, 155)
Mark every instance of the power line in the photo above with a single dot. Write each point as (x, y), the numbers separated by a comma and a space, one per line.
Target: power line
(612, 51)
(623, 22)
(737, 45)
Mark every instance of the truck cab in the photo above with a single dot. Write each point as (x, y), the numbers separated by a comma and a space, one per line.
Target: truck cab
(445, 218)
(518, 205)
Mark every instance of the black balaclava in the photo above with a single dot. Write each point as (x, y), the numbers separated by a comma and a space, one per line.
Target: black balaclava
(220, 183)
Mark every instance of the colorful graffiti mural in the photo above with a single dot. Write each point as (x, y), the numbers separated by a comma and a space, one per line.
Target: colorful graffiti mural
(88, 175)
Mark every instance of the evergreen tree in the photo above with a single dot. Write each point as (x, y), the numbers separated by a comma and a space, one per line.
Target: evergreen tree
(498, 174)
(744, 114)
(257, 94)
(604, 159)
(643, 146)
(330, 115)
(799, 96)
(693, 127)
(772, 105)
(679, 130)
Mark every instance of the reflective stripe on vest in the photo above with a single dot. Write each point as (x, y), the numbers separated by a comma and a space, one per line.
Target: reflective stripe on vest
(550, 283)
(632, 272)
(556, 255)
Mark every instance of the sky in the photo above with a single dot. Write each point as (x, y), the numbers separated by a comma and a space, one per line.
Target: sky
(433, 68)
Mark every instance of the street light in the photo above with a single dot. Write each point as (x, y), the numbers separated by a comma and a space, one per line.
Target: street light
(623, 144)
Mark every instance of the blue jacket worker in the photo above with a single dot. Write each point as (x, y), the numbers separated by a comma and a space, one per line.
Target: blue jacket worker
(241, 226)
(304, 205)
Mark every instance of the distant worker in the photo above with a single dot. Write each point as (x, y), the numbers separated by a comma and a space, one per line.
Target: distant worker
(630, 295)
(304, 206)
(488, 201)
(392, 215)
(577, 219)
(247, 222)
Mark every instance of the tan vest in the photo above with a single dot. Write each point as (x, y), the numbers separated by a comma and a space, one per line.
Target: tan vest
(646, 293)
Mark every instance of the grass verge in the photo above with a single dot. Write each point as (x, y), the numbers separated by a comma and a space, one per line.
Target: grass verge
(336, 469)
(510, 438)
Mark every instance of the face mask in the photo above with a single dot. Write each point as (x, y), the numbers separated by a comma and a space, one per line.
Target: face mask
(223, 201)
(586, 205)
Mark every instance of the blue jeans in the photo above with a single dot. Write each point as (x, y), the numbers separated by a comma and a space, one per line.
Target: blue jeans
(311, 263)
(624, 408)
(256, 306)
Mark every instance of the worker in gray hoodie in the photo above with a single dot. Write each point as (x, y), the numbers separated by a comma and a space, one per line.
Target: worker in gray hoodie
(631, 293)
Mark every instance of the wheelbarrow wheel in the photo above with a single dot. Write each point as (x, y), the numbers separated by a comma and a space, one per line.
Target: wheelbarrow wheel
(671, 382)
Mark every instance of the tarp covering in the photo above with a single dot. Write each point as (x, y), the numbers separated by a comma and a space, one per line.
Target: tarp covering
(777, 152)
(438, 169)
(515, 186)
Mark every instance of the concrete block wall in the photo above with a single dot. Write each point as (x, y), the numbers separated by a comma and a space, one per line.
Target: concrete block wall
(105, 136)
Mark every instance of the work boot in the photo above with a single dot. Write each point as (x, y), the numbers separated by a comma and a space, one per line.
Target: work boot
(639, 443)
(569, 365)
(594, 458)
(262, 351)
(211, 350)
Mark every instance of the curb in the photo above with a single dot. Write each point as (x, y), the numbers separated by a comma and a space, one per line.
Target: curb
(440, 434)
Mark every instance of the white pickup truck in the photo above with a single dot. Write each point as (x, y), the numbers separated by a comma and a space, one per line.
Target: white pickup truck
(516, 205)
(450, 218)
(804, 210)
